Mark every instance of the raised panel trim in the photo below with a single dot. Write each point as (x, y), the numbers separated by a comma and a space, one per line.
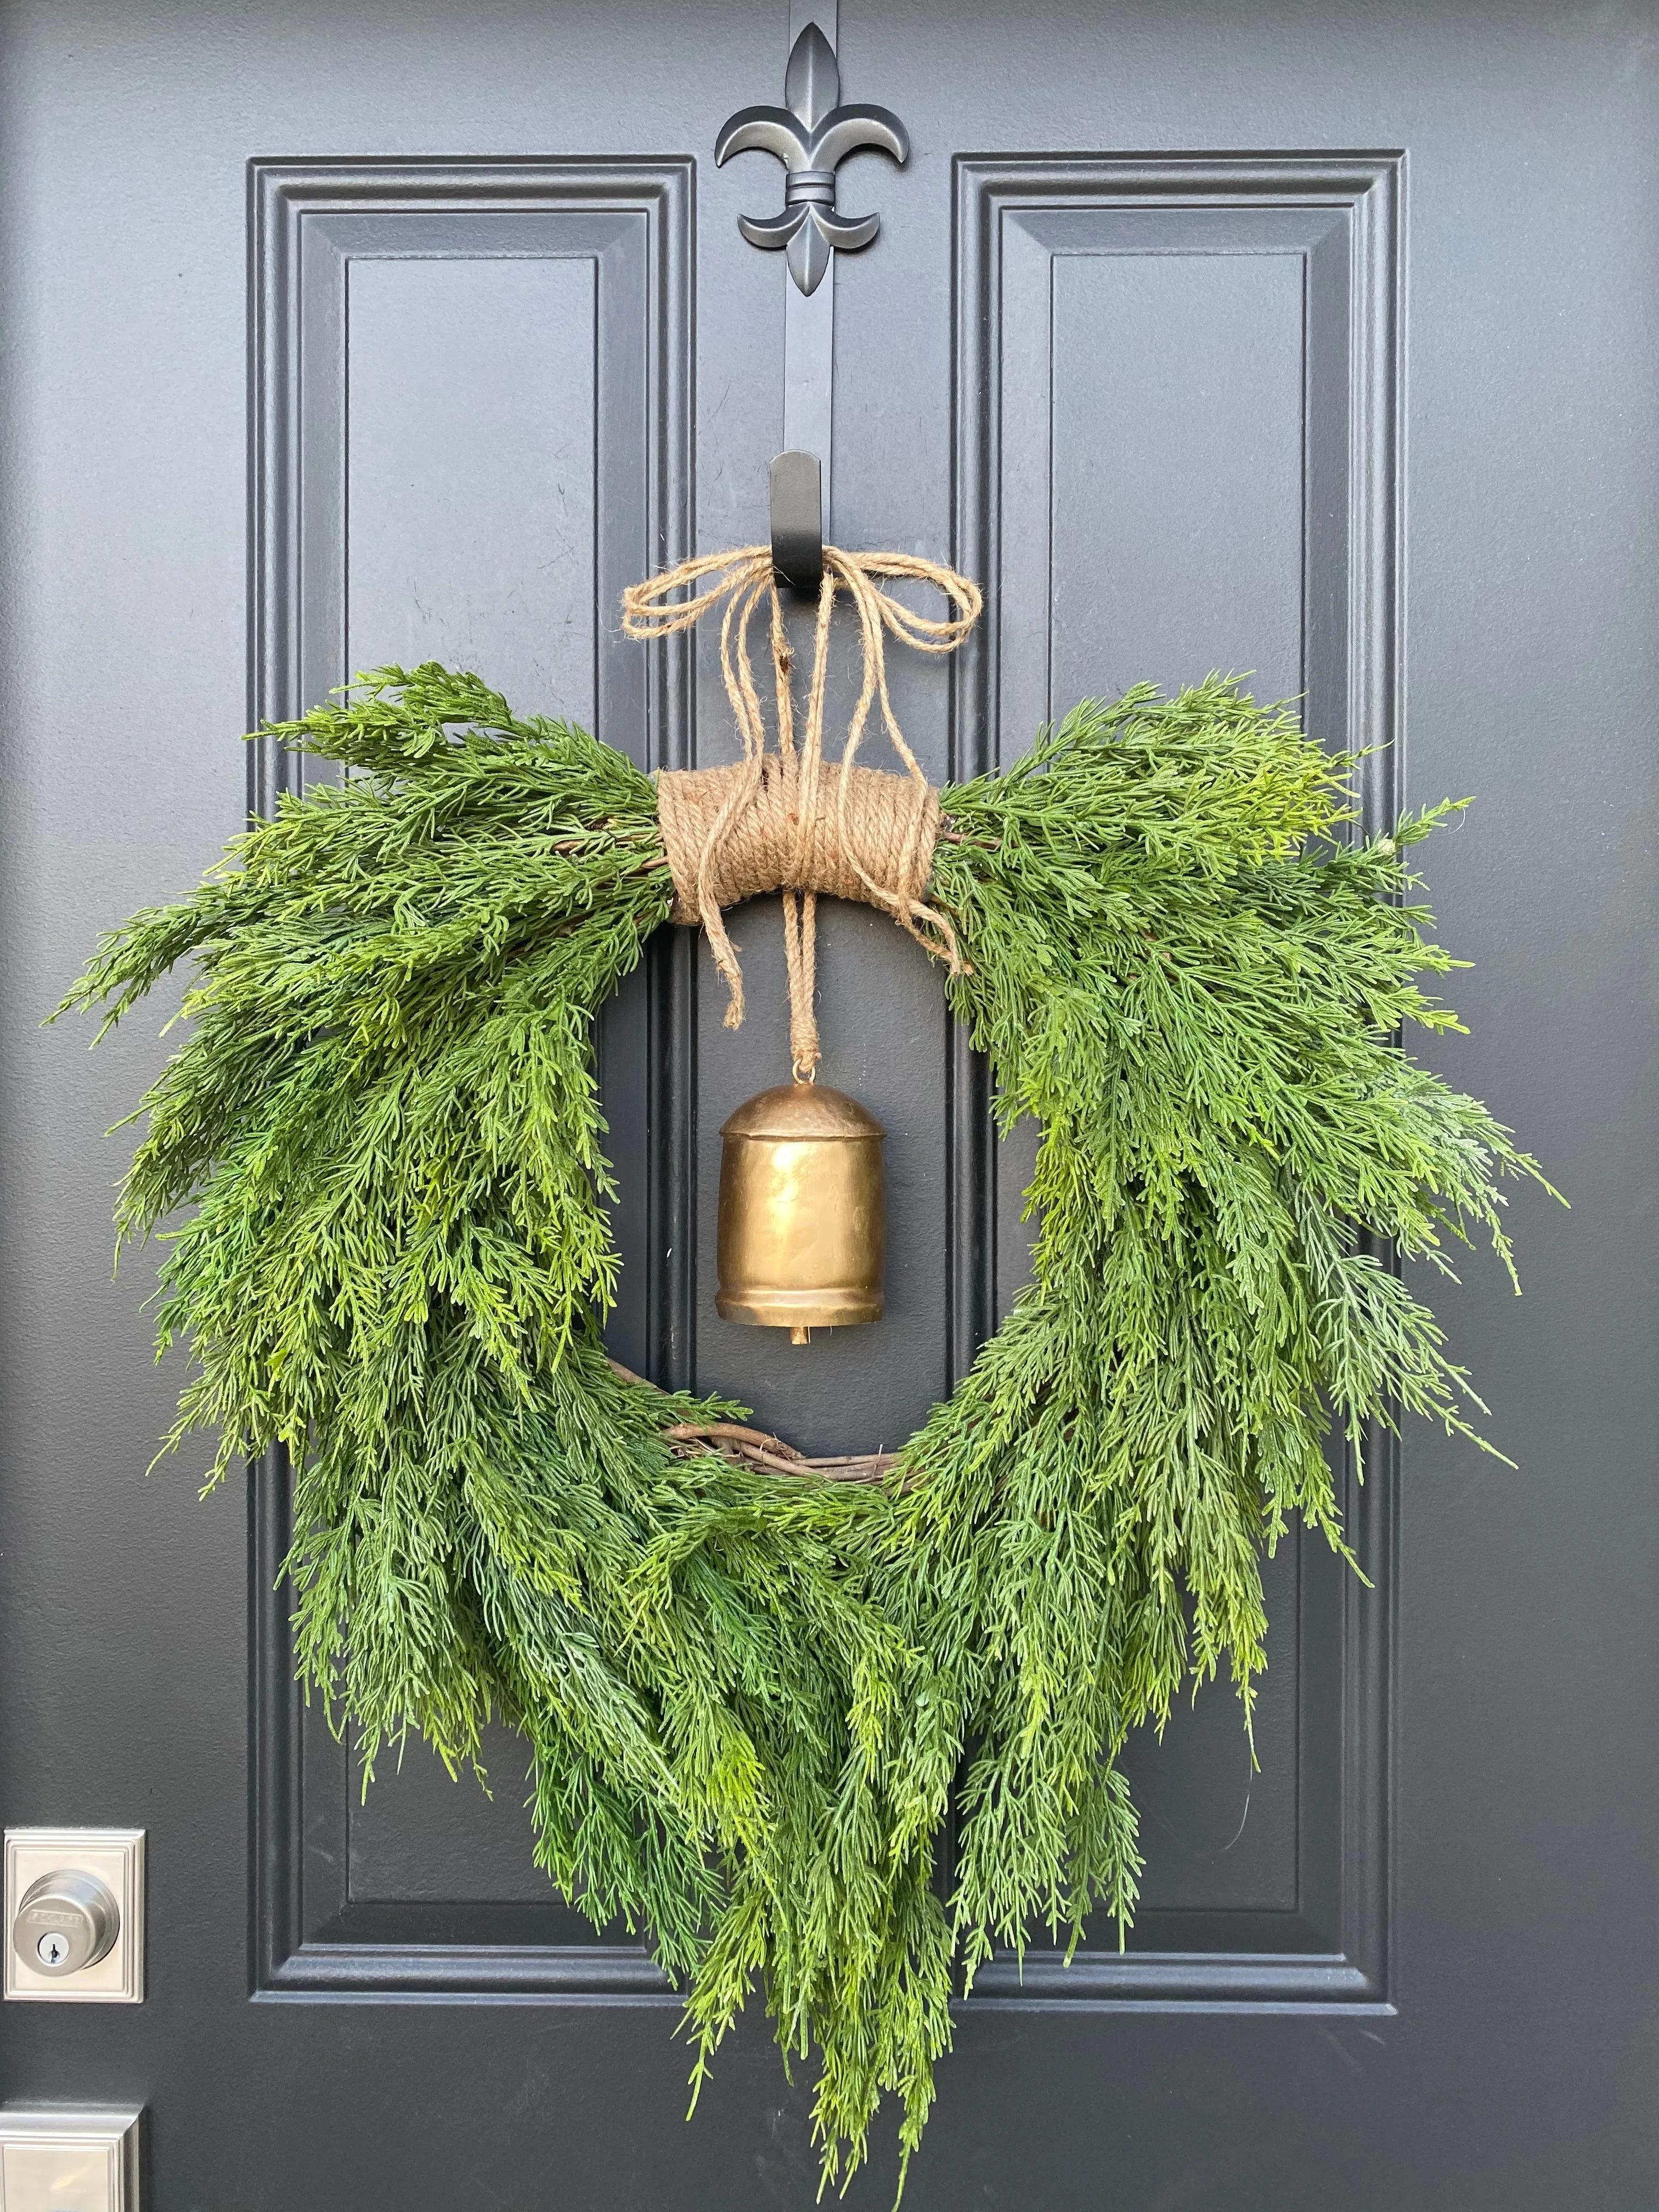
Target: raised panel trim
(1354, 203)
(301, 1941)
(290, 204)
(465, 1972)
(1367, 191)
(1157, 1981)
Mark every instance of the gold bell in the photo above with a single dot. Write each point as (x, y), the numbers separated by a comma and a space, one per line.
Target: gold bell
(803, 1230)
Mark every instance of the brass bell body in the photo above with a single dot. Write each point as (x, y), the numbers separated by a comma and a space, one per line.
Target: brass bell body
(803, 1230)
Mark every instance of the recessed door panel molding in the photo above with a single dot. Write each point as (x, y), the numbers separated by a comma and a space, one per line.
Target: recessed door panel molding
(1177, 448)
(471, 408)
(609, 242)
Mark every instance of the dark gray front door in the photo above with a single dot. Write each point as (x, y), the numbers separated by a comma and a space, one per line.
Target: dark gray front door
(1313, 340)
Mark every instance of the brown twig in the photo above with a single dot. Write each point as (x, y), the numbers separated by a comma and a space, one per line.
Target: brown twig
(759, 1448)
(730, 1432)
(865, 1467)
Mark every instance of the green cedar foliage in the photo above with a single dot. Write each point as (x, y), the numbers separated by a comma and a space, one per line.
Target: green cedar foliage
(750, 1701)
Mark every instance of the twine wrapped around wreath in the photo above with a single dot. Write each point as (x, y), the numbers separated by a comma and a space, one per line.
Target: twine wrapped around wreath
(784, 822)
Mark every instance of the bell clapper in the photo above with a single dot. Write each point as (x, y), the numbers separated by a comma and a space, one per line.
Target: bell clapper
(799, 1335)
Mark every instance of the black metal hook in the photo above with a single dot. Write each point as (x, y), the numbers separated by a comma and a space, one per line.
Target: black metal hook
(797, 522)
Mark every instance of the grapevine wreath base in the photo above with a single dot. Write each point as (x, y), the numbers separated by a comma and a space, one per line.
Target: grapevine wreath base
(752, 1692)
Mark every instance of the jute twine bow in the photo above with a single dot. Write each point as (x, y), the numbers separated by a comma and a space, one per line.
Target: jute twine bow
(776, 822)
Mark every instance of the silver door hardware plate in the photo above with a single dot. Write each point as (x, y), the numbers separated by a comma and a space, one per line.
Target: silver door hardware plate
(55, 2159)
(74, 1928)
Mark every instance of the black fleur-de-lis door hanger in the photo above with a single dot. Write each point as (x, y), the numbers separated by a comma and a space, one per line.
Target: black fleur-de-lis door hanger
(812, 136)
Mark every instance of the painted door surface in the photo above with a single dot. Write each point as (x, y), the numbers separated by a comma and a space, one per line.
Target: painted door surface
(1298, 336)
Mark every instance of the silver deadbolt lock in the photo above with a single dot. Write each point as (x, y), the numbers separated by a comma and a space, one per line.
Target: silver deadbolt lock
(66, 1921)
(72, 1924)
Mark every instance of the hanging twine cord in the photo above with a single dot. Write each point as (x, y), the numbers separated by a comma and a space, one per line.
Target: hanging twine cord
(785, 821)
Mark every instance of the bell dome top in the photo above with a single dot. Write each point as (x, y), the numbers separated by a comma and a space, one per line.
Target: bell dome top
(802, 1113)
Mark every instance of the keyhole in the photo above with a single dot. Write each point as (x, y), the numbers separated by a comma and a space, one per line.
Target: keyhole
(53, 1948)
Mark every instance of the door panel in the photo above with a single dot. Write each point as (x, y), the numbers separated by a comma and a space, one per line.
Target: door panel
(1176, 437)
(1133, 348)
(470, 469)
(472, 381)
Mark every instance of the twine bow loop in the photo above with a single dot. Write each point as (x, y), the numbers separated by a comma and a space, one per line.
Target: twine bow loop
(784, 822)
